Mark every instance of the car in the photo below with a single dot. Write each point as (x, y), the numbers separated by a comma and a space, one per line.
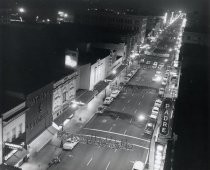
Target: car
(71, 143)
(138, 165)
(142, 60)
(101, 109)
(153, 116)
(155, 64)
(148, 62)
(165, 78)
(126, 79)
(114, 93)
(155, 110)
(108, 100)
(149, 128)
(158, 72)
(161, 91)
(129, 75)
(158, 103)
(164, 82)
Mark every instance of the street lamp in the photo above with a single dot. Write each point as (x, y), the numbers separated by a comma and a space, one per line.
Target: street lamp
(21, 10)
(141, 117)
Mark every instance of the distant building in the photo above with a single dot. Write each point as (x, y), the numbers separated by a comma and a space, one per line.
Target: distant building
(13, 136)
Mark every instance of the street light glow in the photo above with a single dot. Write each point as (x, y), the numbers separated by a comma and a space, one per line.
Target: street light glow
(141, 117)
(114, 71)
(21, 10)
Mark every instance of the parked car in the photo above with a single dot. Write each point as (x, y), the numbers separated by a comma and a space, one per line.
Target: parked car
(71, 143)
(108, 100)
(138, 165)
(164, 82)
(155, 109)
(114, 93)
(148, 62)
(161, 91)
(154, 65)
(101, 109)
(153, 116)
(149, 128)
(126, 79)
(129, 75)
(158, 103)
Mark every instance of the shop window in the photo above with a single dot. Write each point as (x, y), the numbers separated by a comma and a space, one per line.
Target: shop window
(13, 133)
(65, 96)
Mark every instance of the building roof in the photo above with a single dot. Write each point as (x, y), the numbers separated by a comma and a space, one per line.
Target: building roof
(9, 102)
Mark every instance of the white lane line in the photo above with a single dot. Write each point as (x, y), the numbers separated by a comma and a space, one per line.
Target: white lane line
(116, 141)
(107, 165)
(89, 161)
(110, 129)
(125, 131)
(116, 134)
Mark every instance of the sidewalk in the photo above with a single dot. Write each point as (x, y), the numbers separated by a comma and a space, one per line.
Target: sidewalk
(40, 160)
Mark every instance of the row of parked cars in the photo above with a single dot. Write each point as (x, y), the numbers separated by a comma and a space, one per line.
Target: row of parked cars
(149, 128)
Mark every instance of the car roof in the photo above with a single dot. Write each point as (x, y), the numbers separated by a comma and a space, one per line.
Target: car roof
(138, 165)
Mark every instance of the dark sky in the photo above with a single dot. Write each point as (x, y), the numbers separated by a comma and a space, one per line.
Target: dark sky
(185, 5)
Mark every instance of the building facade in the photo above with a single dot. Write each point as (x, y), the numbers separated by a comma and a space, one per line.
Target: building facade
(39, 115)
(64, 92)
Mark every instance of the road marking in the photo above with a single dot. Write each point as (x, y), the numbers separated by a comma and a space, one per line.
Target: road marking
(110, 129)
(116, 134)
(89, 161)
(117, 118)
(114, 140)
(115, 150)
(130, 120)
(125, 131)
(107, 165)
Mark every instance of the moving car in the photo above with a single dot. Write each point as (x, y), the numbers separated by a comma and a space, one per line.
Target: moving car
(71, 143)
(158, 103)
(108, 100)
(138, 165)
(149, 128)
(161, 91)
(114, 93)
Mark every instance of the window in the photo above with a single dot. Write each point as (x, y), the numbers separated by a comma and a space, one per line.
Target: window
(21, 128)
(8, 136)
(65, 96)
(13, 133)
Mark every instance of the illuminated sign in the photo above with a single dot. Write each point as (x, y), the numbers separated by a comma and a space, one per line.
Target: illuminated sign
(164, 128)
(71, 59)
(13, 146)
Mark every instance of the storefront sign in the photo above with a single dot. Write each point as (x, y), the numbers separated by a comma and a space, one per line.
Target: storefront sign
(164, 128)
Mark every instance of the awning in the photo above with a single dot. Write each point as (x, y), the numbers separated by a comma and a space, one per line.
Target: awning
(8, 167)
(16, 157)
(100, 86)
(65, 115)
(86, 97)
(118, 71)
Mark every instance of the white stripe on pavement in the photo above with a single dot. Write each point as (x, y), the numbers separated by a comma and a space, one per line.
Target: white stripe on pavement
(115, 141)
(116, 134)
(89, 161)
(107, 165)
